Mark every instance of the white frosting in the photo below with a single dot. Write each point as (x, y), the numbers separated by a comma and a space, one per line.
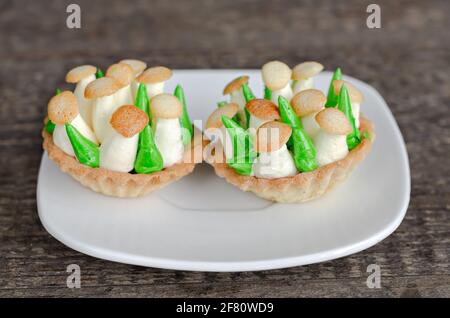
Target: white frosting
(355, 111)
(61, 139)
(310, 124)
(275, 164)
(155, 89)
(168, 139)
(118, 153)
(102, 109)
(329, 147)
(255, 123)
(303, 84)
(84, 104)
(237, 96)
(286, 92)
(123, 96)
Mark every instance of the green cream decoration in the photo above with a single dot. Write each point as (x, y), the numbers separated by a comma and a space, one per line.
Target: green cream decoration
(332, 98)
(86, 151)
(185, 121)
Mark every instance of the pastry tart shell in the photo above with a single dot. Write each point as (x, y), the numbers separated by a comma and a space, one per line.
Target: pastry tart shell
(303, 186)
(120, 184)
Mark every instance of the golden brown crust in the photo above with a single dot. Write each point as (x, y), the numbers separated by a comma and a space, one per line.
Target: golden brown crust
(79, 73)
(120, 184)
(306, 70)
(333, 121)
(137, 66)
(263, 109)
(215, 119)
(165, 106)
(355, 95)
(303, 186)
(308, 101)
(271, 136)
(154, 75)
(276, 75)
(101, 87)
(235, 84)
(128, 120)
(62, 108)
(121, 72)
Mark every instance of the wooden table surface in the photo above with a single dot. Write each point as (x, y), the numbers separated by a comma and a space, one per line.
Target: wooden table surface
(407, 60)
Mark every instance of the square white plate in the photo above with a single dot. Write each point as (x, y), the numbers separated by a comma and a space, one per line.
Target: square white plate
(203, 223)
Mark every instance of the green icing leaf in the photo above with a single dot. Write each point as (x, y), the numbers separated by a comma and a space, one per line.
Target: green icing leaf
(148, 158)
(344, 105)
(332, 98)
(99, 73)
(243, 150)
(141, 100)
(267, 93)
(185, 121)
(86, 151)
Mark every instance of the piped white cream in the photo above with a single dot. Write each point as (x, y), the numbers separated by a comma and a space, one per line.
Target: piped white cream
(310, 124)
(286, 92)
(168, 139)
(102, 109)
(303, 84)
(84, 104)
(61, 139)
(237, 96)
(275, 164)
(118, 153)
(329, 147)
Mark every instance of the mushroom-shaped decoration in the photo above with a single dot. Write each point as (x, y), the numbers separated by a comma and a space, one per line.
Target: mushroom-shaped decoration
(303, 75)
(277, 77)
(306, 105)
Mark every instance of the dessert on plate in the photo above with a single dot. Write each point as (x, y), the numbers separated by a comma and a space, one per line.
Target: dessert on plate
(119, 134)
(296, 143)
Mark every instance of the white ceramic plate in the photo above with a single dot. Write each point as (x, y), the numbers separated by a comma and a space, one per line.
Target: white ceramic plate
(203, 223)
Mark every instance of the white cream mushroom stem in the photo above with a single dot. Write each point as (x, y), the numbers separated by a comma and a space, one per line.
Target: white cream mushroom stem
(101, 92)
(165, 111)
(306, 105)
(154, 79)
(261, 111)
(234, 90)
(274, 160)
(63, 109)
(82, 76)
(123, 75)
(118, 150)
(356, 97)
(214, 127)
(137, 67)
(303, 75)
(331, 140)
(277, 77)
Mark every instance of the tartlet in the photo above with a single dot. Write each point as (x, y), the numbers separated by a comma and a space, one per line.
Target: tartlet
(113, 146)
(314, 176)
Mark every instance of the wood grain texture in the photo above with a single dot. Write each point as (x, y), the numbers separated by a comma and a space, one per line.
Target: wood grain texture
(407, 60)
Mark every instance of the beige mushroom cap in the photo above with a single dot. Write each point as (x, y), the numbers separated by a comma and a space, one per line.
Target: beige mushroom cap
(306, 70)
(128, 120)
(235, 84)
(215, 119)
(79, 73)
(263, 109)
(121, 72)
(101, 87)
(155, 75)
(62, 108)
(276, 75)
(355, 95)
(333, 121)
(308, 101)
(165, 106)
(271, 136)
(137, 66)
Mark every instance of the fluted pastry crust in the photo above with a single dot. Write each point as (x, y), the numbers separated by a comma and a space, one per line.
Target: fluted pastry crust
(303, 186)
(120, 184)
